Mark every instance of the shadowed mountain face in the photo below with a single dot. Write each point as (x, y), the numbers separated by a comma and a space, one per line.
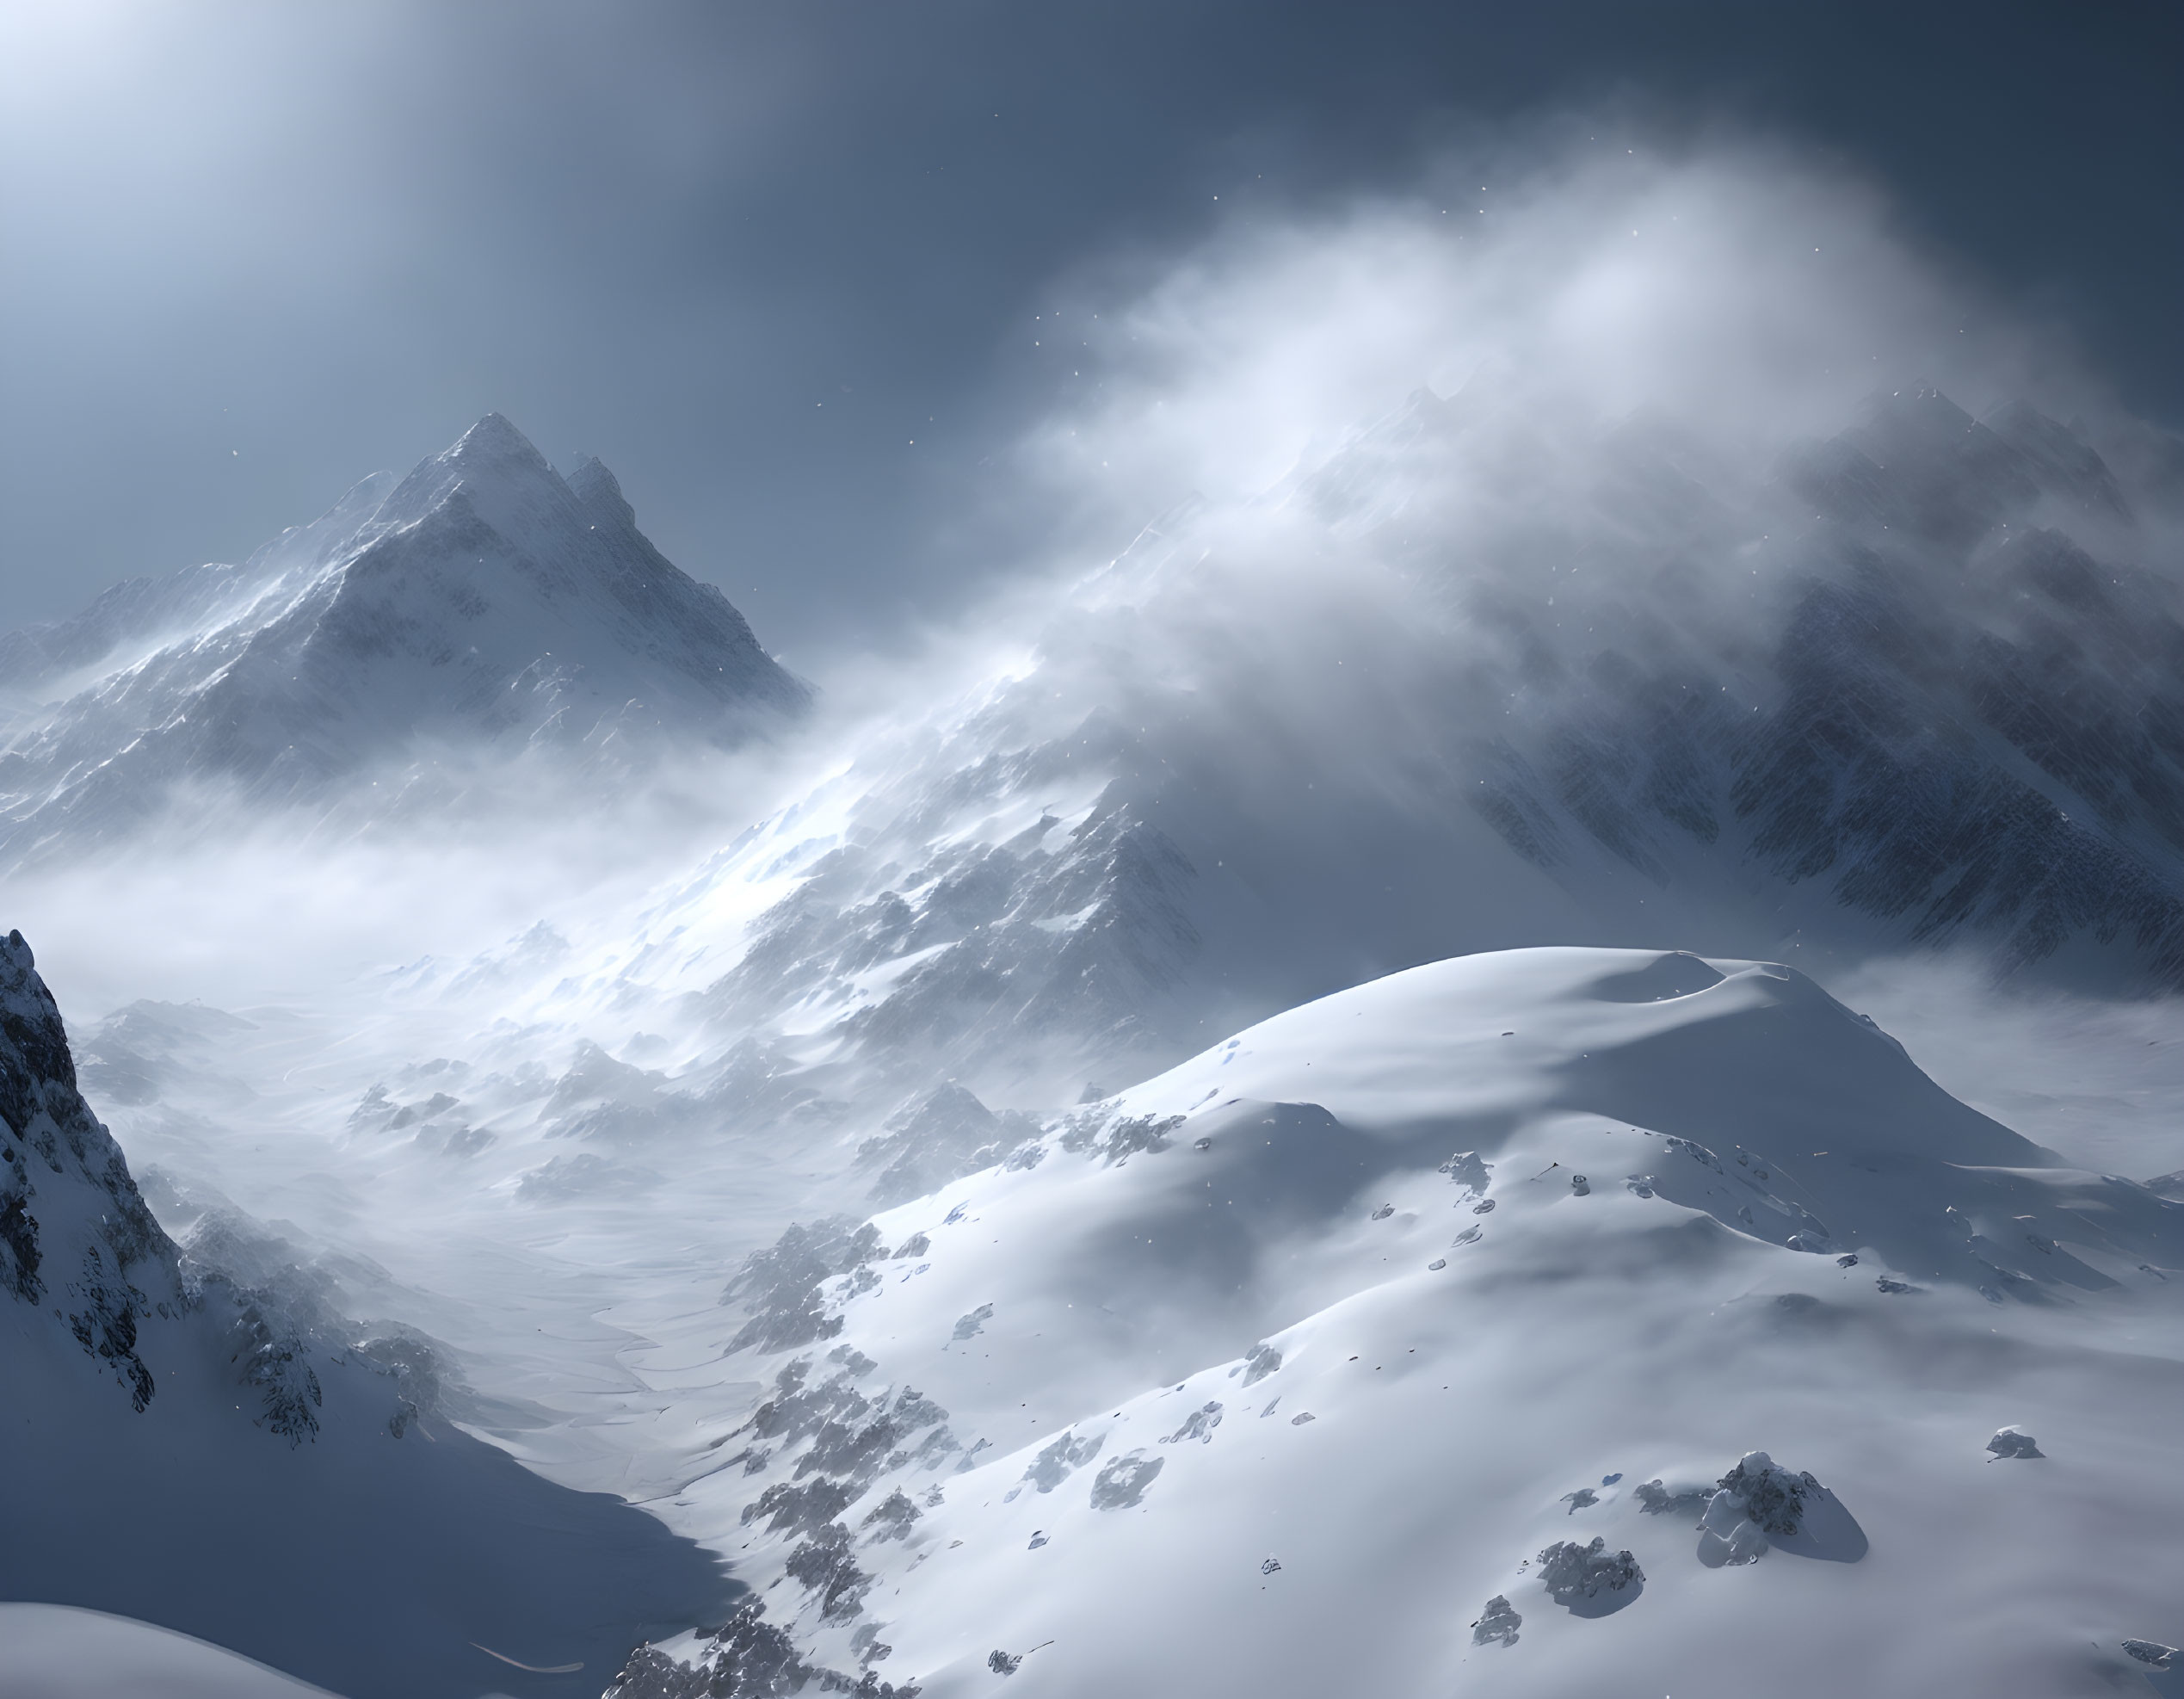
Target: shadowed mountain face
(1968, 719)
(481, 599)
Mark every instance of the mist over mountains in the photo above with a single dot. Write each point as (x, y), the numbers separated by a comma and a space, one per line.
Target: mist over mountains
(1367, 940)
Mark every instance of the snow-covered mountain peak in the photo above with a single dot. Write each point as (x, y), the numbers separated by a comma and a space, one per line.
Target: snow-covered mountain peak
(481, 599)
(505, 480)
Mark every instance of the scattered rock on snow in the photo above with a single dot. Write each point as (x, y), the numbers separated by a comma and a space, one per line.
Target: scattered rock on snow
(1122, 1484)
(1466, 1169)
(973, 1324)
(1005, 1663)
(1498, 1621)
(1054, 1463)
(1656, 1499)
(1590, 1580)
(2152, 1652)
(1760, 1503)
(892, 1517)
(1199, 1426)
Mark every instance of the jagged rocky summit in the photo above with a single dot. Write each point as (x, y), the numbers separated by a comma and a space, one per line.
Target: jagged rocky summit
(185, 1451)
(484, 598)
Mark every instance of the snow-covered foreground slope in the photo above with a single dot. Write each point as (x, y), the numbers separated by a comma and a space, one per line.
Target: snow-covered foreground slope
(1273, 1374)
(58, 1651)
(177, 1452)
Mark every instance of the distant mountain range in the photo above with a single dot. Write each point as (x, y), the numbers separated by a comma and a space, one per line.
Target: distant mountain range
(484, 598)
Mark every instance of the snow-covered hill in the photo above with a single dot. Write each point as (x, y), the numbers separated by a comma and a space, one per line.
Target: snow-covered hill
(483, 598)
(183, 1452)
(1557, 1321)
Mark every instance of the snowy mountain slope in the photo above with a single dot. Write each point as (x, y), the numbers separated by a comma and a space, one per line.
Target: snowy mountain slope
(1961, 720)
(1241, 1380)
(58, 1651)
(159, 1417)
(1226, 778)
(483, 597)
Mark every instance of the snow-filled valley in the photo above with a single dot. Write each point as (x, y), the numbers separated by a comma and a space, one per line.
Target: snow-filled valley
(1532, 1047)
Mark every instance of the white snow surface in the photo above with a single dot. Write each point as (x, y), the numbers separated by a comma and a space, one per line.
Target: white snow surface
(1469, 1374)
(58, 1651)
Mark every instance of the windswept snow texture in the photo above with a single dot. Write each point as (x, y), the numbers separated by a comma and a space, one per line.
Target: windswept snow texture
(1485, 1390)
(191, 1452)
(484, 596)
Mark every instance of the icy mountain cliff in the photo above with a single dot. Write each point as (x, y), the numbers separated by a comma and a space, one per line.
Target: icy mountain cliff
(483, 598)
(183, 1452)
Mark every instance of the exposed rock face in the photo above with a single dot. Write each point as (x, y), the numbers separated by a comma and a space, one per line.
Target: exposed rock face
(74, 1232)
(482, 598)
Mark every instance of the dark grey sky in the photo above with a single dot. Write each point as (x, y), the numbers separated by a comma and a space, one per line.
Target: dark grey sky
(747, 253)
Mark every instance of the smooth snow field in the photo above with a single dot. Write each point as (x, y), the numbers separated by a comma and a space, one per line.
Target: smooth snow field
(55, 1652)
